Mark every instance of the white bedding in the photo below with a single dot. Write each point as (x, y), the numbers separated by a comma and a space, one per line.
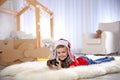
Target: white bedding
(39, 71)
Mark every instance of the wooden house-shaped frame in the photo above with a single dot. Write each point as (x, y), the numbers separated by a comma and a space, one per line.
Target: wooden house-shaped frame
(38, 6)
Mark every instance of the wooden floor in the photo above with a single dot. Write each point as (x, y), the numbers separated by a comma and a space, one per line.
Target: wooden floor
(115, 76)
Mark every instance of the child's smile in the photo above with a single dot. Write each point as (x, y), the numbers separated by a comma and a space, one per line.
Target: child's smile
(62, 53)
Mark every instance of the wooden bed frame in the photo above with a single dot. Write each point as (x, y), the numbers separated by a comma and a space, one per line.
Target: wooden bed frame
(37, 7)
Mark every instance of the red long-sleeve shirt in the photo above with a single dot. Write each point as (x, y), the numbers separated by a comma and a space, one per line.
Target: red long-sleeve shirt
(79, 61)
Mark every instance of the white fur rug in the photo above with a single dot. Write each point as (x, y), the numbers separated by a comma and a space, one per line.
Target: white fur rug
(39, 71)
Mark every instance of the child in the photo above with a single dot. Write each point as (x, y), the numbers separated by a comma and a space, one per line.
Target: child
(65, 59)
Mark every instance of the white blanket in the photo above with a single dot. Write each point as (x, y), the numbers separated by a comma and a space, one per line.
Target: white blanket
(39, 71)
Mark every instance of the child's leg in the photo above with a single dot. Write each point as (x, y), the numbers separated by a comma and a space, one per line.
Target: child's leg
(90, 61)
(104, 59)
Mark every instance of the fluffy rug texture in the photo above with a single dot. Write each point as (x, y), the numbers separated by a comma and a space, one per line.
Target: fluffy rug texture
(39, 71)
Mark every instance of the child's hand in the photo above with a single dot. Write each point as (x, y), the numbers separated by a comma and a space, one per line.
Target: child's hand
(59, 65)
(50, 66)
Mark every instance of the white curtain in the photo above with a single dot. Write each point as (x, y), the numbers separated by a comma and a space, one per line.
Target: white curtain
(72, 18)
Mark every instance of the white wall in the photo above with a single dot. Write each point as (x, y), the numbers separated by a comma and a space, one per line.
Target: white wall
(7, 24)
(8, 21)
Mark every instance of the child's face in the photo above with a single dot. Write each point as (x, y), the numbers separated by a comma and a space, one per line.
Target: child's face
(62, 53)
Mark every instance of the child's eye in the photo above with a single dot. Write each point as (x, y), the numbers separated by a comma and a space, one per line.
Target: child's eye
(63, 52)
(58, 52)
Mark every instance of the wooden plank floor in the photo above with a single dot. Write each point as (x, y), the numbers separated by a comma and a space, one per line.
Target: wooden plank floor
(115, 76)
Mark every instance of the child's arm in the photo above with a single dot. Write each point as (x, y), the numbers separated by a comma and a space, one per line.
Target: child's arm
(72, 65)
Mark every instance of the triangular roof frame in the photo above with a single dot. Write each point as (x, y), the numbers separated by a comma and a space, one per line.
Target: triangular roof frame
(37, 7)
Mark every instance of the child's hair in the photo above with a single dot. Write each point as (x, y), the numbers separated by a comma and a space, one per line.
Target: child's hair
(60, 46)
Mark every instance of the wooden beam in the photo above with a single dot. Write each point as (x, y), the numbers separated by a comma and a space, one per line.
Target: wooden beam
(7, 11)
(38, 6)
(44, 8)
(32, 2)
(23, 10)
(2, 1)
(51, 17)
(18, 16)
(36, 3)
(38, 35)
(18, 22)
(51, 25)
